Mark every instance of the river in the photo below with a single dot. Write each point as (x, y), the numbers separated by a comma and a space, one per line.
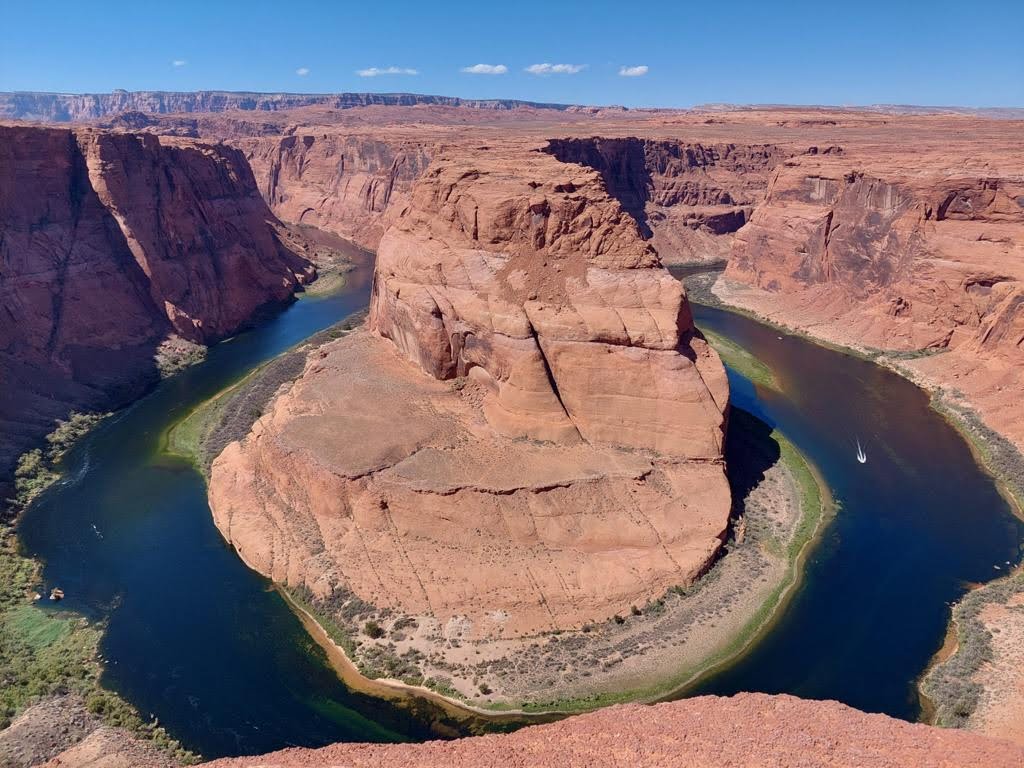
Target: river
(204, 644)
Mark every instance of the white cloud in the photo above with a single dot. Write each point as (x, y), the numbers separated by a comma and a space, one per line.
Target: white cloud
(302, 71)
(375, 71)
(179, 63)
(636, 71)
(486, 69)
(555, 69)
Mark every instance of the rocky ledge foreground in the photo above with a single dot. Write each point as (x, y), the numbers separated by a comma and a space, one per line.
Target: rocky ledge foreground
(527, 438)
(745, 731)
(749, 730)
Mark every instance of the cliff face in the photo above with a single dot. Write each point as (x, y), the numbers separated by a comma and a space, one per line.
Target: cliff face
(73, 107)
(688, 197)
(557, 454)
(898, 256)
(111, 243)
(342, 183)
(562, 322)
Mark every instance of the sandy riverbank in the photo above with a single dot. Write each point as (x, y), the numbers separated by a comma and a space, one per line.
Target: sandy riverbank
(976, 681)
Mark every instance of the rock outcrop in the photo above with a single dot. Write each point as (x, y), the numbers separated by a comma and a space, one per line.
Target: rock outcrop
(688, 197)
(527, 438)
(110, 244)
(342, 183)
(749, 730)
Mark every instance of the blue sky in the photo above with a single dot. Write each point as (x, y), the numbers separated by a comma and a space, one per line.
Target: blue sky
(637, 54)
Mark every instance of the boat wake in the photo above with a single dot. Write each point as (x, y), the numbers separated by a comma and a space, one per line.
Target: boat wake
(861, 456)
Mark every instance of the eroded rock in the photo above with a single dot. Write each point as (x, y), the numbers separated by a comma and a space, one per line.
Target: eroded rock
(527, 437)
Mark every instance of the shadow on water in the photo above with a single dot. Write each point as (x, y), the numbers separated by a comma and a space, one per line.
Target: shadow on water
(750, 452)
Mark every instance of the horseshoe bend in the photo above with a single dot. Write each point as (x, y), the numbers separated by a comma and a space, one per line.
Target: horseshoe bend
(548, 422)
(526, 437)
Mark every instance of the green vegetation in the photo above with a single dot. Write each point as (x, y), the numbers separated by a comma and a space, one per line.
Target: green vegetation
(741, 361)
(44, 652)
(47, 653)
(36, 470)
(176, 354)
(230, 414)
(997, 455)
(950, 684)
(327, 282)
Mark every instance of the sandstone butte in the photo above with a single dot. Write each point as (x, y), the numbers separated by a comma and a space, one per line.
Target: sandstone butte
(575, 468)
(880, 231)
(745, 731)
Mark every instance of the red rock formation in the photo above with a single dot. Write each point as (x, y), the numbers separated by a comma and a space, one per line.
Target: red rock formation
(574, 469)
(344, 184)
(688, 197)
(110, 243)
(746, 731)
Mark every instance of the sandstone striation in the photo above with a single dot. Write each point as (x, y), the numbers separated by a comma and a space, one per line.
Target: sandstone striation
(746, 731)
(527, 438)
(688, 197)
(344, 184)
(111, 244)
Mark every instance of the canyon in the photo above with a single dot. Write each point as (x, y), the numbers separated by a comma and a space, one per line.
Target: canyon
(78, 107)
(118, 250)
(561, 453)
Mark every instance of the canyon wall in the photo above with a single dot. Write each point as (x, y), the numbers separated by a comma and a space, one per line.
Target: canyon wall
(109, 245)
(80, 107)
(919, 256)
(560, 451)
(688, 197)
(342, 183)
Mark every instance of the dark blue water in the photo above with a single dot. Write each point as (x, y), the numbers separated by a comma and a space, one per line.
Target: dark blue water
(194, 637)
(914, 525)
(197, 639)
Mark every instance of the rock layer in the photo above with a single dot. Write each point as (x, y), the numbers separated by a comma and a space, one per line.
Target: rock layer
(344, 184)
(112, 243)
(689, 197)
(538, 444)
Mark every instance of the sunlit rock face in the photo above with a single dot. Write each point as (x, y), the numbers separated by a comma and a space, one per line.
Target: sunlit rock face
(528, 434)
(918, 253)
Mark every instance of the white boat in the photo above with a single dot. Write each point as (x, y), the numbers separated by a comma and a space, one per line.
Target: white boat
(861, 456)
